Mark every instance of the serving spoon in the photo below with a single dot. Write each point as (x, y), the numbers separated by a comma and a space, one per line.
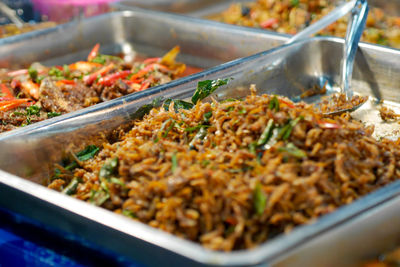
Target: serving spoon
(12, 15)
(359, 12)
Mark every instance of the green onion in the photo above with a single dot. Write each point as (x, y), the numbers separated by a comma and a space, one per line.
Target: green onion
(195, 128)
(199, 136)
(129, 213)
(71, 188)
(267, 133)
(165, 134)
(207, 116)
(53, 114)
(259, 200)
(87, 153)
(99, 197)
(292, 150)
(274, 104)
(109, 168)
(286, 131)
(55, 72)
(33, 73)
(174, 161)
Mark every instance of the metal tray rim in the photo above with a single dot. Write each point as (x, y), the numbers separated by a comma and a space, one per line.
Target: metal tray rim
(267, 251)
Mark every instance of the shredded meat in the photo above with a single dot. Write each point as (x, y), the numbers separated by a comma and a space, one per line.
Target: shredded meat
(231, 175)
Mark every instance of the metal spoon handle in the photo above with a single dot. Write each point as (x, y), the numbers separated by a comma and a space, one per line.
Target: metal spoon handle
(330, 18)
(11, 14)
(353, 35)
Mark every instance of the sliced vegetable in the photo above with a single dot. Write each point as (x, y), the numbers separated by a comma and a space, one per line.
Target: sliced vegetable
(33, 73)
(174, 162)
(269, 23)
(178, 104)
(11, 104)
(89, 79)
(63, 82)
(286, 130)
(259, 200)
(109, 168)
(110, 79)
(99, 197)
(195, 128)
(87, 153)
(274, 104)
(169, 58)
(292, 150)
(53, 114)
(267, 133)
(5, 91)
(71, 188)
(206, 88)
(199, 136)
(94, 52)
(129, 213)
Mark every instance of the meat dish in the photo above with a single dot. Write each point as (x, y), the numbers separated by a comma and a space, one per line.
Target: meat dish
(40, 92)
(291, 16)
(231, 174)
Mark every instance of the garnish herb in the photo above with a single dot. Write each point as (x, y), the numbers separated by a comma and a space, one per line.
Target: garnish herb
(53, 114)
(259, 200)
(99, 197)
(85, 154)
(206, 88)
(109, 168)
(195, 128)
(274, 104)
(199, 136)
(294, 3)
(165, 134)
(294, 151)
(33, 73)
(207, 116)
(267, 133)
(178, 104)
(145, 109)
(55, 72)
(129, 213)
(285, 132)
(174, 161)
(71, 188)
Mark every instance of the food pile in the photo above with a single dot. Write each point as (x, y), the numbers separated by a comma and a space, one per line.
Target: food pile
(11, 29)
(38, 93)
(291, 16)
(231, 174)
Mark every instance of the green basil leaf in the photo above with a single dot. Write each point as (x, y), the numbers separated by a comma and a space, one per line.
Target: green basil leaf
(178, 104)
(88, 153)
(206, 88)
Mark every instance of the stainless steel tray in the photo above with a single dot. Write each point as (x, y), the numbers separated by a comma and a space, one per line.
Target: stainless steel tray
(28, 154)
(203, 44)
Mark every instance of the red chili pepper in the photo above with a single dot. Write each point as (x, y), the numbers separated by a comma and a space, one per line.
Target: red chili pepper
(110, 79)
(59, 67)
(328, 125)
(62, 82)
(269, 23)
(287, 103)
(145, 85)
(11, 104)
(94, 52)
(151, 60)
(89, 79)
(231, 220)
(5, 91)
(147, 69)
(17, 72)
